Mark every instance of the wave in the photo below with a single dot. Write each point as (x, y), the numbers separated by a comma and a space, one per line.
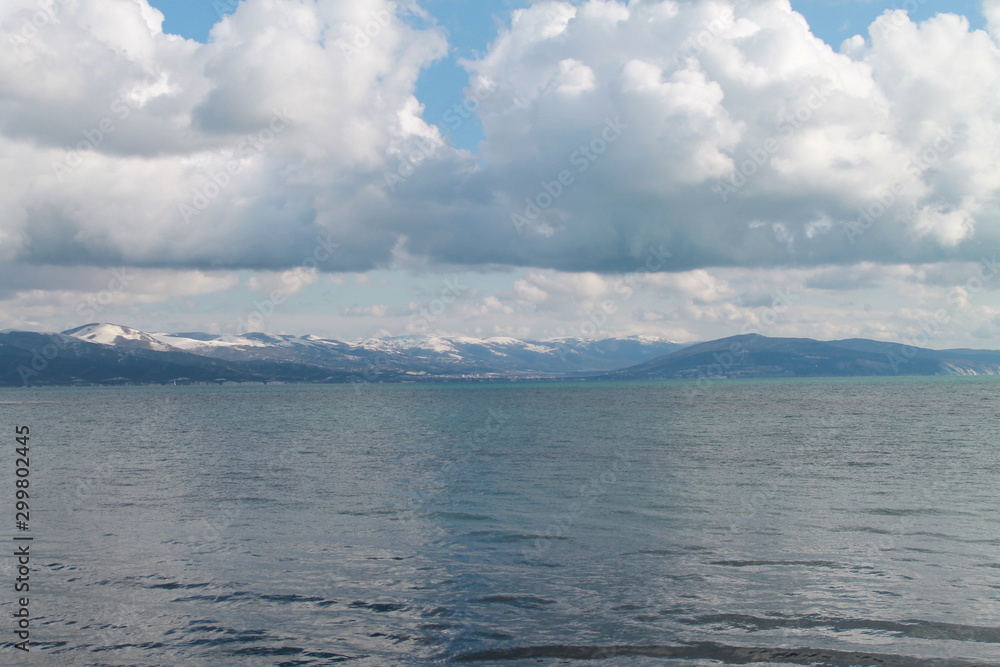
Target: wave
(529, 601)
(719, 652)
(914, 628)
(796, 563)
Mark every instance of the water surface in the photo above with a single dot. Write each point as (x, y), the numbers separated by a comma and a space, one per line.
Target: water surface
(739, 522)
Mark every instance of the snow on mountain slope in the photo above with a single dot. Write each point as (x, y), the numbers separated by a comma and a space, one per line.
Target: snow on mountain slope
(435, 344)
(412, 353)
(119, 336)
(301, 349)
(193, 341)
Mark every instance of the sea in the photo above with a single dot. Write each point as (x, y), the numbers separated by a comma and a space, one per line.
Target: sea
(763, 522)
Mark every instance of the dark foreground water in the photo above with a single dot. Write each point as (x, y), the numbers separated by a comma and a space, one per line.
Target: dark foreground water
(836, 522)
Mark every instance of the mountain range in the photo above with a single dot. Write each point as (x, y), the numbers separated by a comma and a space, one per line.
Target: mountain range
(110, 354)
(115, 354)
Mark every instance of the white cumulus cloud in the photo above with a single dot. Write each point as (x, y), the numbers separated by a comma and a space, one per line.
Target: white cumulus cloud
(722, 130)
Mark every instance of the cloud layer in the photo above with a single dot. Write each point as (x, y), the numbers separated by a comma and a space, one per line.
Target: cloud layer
(724, 133)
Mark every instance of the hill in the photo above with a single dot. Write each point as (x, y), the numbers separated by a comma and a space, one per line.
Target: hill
(756, 356)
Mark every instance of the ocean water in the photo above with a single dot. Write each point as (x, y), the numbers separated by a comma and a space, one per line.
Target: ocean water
(805, 522)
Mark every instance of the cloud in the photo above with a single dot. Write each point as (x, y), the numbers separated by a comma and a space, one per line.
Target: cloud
(698, 285)
(724, 131)
(57, 298)
(527, 292)
(146, 284)
(991, 10)
(375, 310)
(287, 283)
(866, 275)
(744, 130)
(136, 147)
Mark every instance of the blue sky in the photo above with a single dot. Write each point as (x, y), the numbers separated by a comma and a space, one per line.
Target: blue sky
(472, 25)
(687, 170)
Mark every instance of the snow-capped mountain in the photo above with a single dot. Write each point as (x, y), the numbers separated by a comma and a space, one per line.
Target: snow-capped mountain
(305, 349)
(103, 353)
(113, 354)
(417, 354)
(431, 354)
(118, 336)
